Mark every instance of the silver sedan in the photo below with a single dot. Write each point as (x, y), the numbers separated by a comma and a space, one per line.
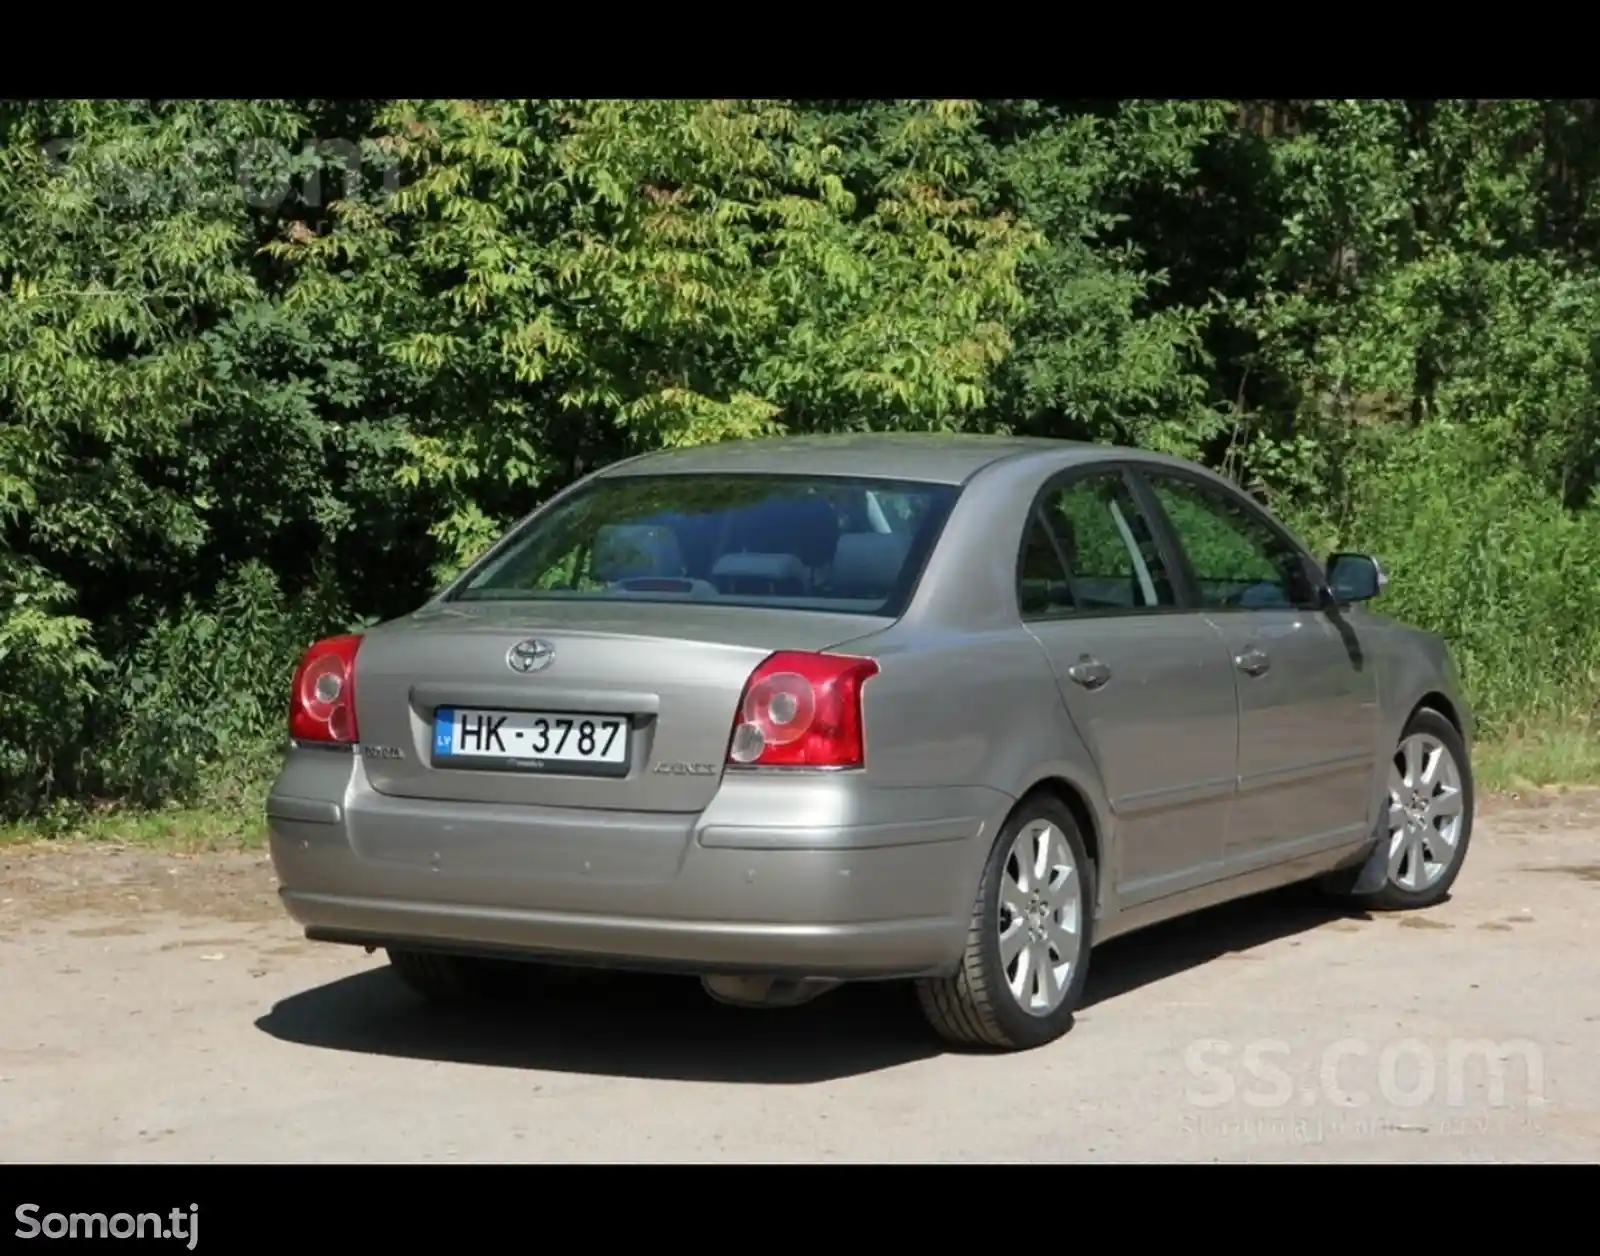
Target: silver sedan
(790, 713)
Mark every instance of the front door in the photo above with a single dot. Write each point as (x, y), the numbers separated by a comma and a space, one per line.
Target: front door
(1307, 696)
(1148, 684)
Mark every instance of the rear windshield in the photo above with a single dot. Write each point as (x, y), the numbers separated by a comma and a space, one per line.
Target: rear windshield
(805, 542)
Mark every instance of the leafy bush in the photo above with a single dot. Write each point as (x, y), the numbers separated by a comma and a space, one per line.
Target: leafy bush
(1481, 553)
(205, 686)
(266, 366)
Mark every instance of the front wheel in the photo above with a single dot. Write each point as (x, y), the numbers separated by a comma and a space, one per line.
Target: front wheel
(1427, 824)
(1027, 954)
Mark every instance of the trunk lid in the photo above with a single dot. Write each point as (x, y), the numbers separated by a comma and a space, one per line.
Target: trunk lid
(673, 672)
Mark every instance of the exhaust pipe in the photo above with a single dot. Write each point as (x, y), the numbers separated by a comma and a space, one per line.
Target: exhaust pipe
(766, 991)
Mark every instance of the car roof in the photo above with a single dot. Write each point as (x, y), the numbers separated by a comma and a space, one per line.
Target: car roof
(929, 457)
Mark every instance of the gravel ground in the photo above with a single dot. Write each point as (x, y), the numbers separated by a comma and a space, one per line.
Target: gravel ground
(158, 1008)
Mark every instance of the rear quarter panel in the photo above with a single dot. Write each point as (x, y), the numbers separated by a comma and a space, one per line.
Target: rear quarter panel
(974, 710)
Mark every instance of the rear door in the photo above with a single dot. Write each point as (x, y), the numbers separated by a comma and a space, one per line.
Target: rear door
(1307, 696)
(1148, 682)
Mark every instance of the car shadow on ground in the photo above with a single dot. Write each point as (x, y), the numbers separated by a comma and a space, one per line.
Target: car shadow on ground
(667, 1028)
(1151, 955)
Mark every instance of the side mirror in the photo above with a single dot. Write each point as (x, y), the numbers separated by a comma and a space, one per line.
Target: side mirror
(1355, 577)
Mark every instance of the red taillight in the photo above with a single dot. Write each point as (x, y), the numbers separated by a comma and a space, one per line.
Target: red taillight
(322, 705)
(802, 711)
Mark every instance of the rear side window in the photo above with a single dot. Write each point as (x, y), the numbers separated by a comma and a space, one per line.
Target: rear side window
(804, 542)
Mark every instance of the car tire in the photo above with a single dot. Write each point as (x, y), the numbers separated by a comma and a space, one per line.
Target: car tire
(979, 1005)
(451, 978)
(1427, 730)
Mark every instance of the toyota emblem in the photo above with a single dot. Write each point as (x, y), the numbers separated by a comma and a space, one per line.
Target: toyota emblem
(530, 656)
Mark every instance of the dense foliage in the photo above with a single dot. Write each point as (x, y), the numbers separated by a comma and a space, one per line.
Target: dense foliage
(271, 368)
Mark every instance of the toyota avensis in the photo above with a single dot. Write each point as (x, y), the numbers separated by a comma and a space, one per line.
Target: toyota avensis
(782, 714)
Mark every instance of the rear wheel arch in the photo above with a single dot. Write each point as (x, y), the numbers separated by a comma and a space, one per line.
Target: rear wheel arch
(1073, 799)
(1054, 781)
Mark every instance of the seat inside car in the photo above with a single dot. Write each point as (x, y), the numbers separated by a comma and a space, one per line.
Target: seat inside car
(868, 564)
(806, 527)
(776, 547)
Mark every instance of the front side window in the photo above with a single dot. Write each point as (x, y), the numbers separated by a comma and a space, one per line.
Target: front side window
(1238, 560)
(804, 542)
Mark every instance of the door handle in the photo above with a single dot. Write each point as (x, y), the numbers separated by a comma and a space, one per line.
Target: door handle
(1252, 661)
(1089, 672)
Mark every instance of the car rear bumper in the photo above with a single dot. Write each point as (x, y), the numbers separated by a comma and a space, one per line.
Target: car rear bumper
(887, 894)
(903, 948)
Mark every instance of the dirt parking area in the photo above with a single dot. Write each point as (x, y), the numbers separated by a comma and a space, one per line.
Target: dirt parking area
(161, 1008)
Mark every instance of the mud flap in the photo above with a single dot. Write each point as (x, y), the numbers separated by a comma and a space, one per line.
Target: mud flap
(1375, 871)
(1366, 878)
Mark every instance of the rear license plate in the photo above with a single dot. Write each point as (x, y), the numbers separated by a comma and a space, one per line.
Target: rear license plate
(562, 742)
